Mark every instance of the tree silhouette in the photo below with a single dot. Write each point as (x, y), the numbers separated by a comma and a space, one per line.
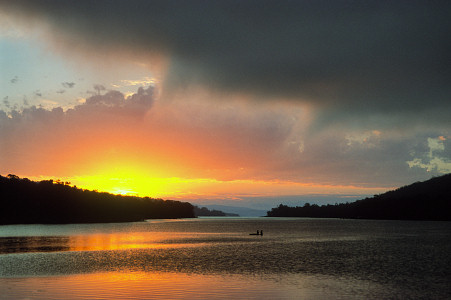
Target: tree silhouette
(26, 202)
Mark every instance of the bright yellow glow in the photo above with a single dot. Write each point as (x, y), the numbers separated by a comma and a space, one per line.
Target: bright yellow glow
(132, 178)
(141, 184)
(126, 180)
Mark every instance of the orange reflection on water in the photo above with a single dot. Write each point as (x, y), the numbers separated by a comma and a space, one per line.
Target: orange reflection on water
(138, 285)
(124, 241)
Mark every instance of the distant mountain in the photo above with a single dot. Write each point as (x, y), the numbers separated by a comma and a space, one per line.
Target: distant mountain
(428, 200)
(205, 212)
(241, 211)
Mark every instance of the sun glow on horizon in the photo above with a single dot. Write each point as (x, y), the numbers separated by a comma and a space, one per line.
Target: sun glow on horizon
(142, 184)
(127, 180)
(145, 179)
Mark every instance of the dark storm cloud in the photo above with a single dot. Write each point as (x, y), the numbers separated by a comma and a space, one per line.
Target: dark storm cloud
(351, 56)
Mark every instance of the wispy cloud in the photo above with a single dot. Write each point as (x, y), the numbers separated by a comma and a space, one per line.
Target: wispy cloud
(138, 82)
(15, 79)
(68, 85)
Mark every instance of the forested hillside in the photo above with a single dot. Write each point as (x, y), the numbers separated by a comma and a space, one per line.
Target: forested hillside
(428, 200)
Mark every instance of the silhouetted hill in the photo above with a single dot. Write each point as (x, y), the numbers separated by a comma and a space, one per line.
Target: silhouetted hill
(428, 200)
(205, 212)
(241, 211)
(24, 201)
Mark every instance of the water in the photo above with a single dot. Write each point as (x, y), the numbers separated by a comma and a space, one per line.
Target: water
(216, 258)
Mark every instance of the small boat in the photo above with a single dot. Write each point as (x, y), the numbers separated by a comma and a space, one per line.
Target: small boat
(258, 233)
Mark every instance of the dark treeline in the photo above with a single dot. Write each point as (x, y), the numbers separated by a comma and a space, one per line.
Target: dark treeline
(205, 212)
(24, 201)
(428, 200)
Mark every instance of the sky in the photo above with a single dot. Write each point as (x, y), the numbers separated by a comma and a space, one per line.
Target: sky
(246, 103)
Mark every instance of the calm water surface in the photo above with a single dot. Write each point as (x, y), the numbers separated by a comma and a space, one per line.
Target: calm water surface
(216, 258)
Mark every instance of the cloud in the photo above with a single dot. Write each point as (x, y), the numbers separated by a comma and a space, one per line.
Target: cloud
(6, 102)
(355, 57)
(15, 79)
(141, 82)
(195, 137)
(37, 140)
(114, 102)
(435, 159)
(68, 85)
(99, 88)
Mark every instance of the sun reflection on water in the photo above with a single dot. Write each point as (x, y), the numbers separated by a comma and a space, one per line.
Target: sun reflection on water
(126, 241)
(97, 242)
(146, 285)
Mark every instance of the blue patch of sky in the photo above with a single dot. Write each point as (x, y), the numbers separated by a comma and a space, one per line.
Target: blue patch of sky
(31, 74)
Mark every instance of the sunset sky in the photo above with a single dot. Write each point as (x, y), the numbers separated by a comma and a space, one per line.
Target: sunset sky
(246, 103)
